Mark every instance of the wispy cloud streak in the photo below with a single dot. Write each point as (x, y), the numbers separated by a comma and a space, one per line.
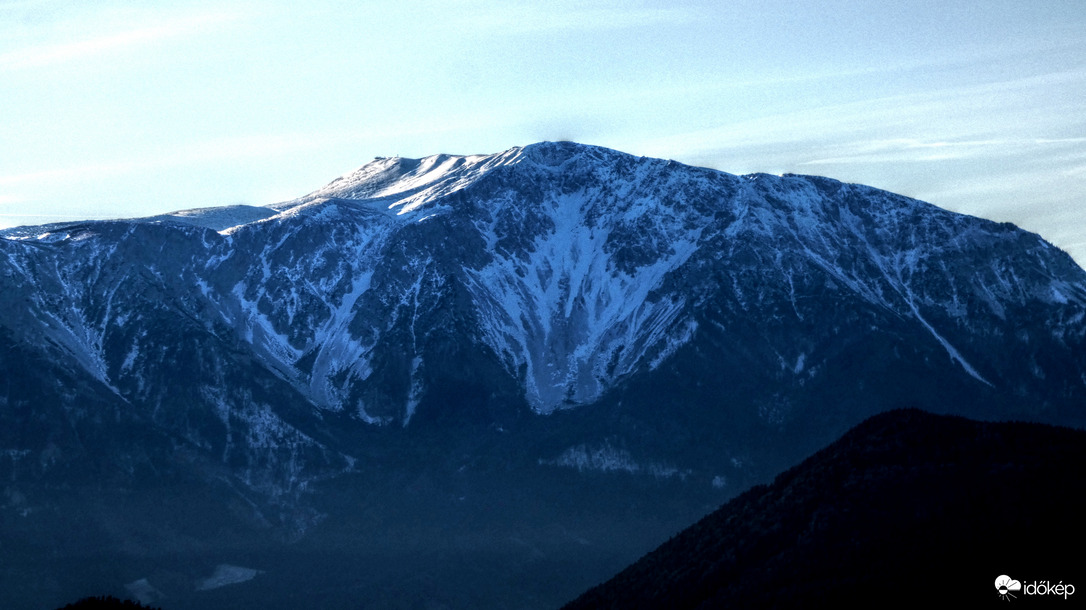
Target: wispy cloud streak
(37, 56)
(916, 151)
(538, 18)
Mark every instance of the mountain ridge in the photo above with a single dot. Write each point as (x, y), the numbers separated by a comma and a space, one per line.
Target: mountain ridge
(571, 289)
(551, 313)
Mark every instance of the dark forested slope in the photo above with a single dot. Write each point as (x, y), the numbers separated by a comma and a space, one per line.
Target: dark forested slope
(907, 505)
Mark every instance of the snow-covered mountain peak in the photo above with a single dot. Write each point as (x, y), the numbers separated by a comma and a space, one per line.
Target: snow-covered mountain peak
(585, 265)
(557, 154)
(569, 267)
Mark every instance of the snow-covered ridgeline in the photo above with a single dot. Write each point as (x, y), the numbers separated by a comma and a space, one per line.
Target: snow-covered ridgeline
(403, 185)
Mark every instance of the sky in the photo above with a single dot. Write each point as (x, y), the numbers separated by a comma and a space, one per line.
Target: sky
(114, 108)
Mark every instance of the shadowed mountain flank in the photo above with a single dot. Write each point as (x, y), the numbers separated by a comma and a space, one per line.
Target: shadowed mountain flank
(904, 500)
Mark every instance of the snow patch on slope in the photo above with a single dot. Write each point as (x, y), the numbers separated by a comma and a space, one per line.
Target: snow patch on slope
(606, 458)
(225, 575)
(567, 312)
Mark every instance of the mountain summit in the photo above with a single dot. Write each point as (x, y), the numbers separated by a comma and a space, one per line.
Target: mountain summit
(556, 306)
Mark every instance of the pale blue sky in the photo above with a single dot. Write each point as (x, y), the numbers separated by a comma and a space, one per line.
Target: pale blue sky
(114, 109)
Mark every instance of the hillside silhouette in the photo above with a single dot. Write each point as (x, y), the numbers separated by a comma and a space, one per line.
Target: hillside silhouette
(905, 506)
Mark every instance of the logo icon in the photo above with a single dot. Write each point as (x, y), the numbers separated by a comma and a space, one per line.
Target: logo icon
(1005, 585)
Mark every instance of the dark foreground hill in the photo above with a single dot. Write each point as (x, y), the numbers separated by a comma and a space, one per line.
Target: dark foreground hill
(906, 506)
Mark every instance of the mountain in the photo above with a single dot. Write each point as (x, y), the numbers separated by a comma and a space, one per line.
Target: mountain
(552, 336)
(902, 502)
